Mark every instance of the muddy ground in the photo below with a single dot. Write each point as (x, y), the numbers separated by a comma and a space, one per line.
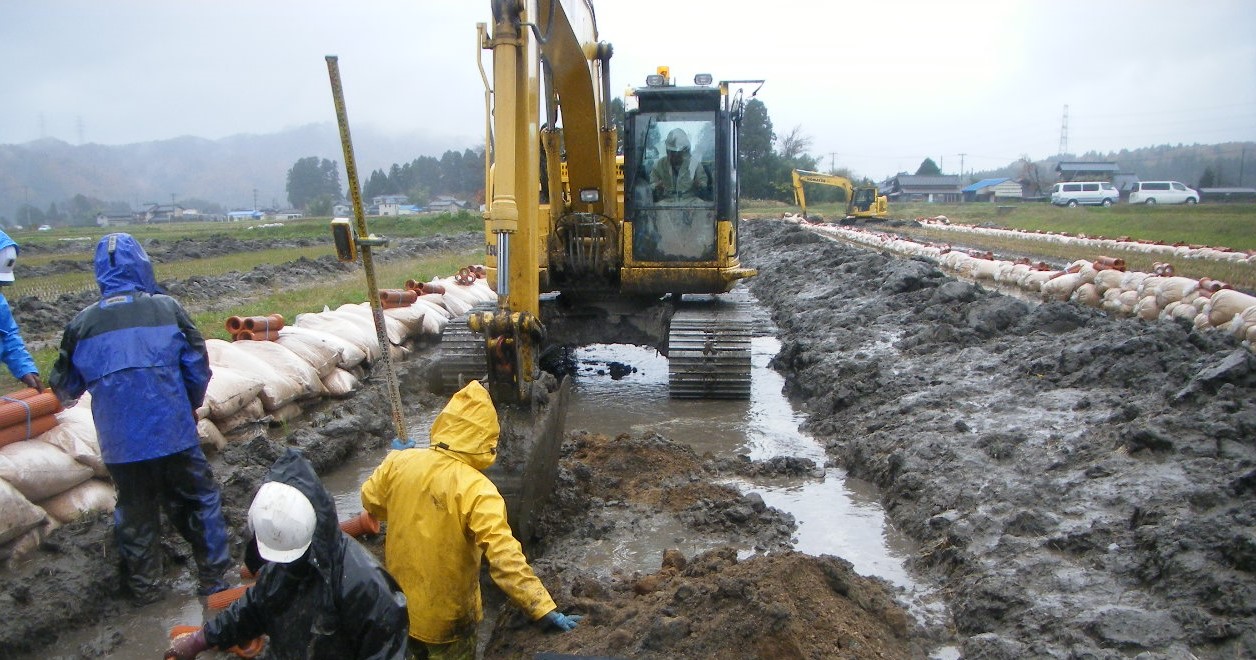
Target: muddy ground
(1082, 486)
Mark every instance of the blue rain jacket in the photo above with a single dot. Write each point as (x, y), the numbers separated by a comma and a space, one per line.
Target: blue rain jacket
(12, 348)
(139, 355)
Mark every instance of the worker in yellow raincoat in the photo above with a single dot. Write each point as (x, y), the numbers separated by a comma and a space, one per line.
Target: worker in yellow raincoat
(444, 515)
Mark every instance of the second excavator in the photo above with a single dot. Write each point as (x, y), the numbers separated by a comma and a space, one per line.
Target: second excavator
(861, 201)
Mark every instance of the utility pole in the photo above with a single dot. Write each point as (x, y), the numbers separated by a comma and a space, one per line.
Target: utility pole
(832, 161)
(255, 199)
(1064, 132)
(961, 165)
(1242, 158)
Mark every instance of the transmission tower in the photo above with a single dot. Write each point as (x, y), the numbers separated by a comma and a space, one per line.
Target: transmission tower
(1064, 132)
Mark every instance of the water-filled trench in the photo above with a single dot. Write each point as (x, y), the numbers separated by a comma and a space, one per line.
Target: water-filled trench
(836, 515)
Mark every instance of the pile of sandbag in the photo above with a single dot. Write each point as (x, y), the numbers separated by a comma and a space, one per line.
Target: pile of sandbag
(258, 328)
(50, 480)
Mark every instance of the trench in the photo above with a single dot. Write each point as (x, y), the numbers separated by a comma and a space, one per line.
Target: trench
(623, 389)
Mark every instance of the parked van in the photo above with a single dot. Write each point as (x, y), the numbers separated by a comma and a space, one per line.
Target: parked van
(1162, 192)
(1085, 192)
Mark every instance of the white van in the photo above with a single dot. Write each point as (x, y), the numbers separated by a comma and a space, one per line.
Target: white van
(1085, 192)
(1162, 192)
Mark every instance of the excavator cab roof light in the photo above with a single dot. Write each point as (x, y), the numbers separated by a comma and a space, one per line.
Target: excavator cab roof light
(590, 195)
(655, 80)
(703, 79)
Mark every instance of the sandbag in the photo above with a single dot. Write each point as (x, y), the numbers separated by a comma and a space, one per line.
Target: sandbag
(395, 330)
(1173, 289)
(1226, 303)
(209, 434)
(350, 354)
(91, 496)
(250, 416)
(38, 470)
(1087, 294)
(230, 390)
(1108, 279)
(1062, 287)
(75, 434)
(285, 377)
(17, 514)
(1146, 308)
(341, 383)
(285, 414)
(346, 327)
(319, 352)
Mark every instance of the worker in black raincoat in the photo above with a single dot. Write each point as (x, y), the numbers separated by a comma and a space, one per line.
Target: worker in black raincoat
(321, 594)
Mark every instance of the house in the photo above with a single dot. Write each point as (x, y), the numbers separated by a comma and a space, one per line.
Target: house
(381, 200)
(923, 188)
(114, 219)
(163, 213)
(236, 216)
(993, 190)
(288, 214)
(1085, 170)
(446, 204)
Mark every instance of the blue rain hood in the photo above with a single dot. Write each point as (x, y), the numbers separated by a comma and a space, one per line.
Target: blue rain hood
(5, 242)
(122, 265)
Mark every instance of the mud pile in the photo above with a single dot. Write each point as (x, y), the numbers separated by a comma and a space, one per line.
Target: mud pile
(1083, 485)
(777, 604)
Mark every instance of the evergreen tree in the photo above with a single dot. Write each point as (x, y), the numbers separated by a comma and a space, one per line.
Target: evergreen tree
(760, 167)
(928, 168)
(311, 178)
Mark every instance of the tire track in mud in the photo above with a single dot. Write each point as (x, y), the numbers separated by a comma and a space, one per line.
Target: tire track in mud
(1083, 484)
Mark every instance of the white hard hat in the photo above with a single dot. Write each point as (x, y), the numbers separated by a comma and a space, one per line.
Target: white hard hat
(283, 522)
(8, 256)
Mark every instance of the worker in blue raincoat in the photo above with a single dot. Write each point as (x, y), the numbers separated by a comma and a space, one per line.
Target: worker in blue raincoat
(12, 348)
(144, 362)
(320, 594)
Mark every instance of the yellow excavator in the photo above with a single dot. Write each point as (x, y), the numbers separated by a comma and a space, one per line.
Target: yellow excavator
(587, 243)
(861, 201)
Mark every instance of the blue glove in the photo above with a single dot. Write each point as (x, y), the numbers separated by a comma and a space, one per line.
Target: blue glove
(400, 444)
(562, 621)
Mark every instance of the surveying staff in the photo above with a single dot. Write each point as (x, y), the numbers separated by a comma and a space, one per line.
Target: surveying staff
(12, 348)
(321, 594)
(145, 364)
(443, 517)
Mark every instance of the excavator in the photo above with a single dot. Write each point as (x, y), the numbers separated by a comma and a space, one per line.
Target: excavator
(861, 202)
(589, 243)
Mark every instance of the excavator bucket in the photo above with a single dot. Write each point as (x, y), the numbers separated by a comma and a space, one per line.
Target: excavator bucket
(527, 455)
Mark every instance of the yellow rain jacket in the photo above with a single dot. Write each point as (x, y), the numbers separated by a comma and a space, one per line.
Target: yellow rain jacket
(443, 516)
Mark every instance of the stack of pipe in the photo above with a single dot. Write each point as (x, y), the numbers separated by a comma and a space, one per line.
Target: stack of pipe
(423, 288)
(27, 413)
(394, 298)
(256, 328)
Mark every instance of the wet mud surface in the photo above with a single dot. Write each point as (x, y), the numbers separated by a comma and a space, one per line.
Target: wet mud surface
(1082, 485)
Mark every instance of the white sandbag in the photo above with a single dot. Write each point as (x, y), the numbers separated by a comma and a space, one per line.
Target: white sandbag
(1173, 289)
(409, 316)
(982, 269)
(1128, 299)
(1087, 294)
(1226, 303)
(209, 434)
(1108, 279)
(346, 327)
(319, 352)
(1132, 279)
(75, 434)
(482, 289)
(1088, 273)
(1034, 279)
(1150, 285)
(341, 383)
(230, 390)
(1184, 311)
(285, 414)
(1146, 308)
(17, 514)
(38, 470)
(91, 496)
(395, 330)
(1062, 287)
(435, 301)
(285, 376)
(250, 416)
(350, 355)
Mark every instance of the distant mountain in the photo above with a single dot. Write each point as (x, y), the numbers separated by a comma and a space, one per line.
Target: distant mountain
(225, 171)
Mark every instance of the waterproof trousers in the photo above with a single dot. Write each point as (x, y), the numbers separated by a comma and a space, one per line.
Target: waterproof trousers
(183, 485)
(463, 649)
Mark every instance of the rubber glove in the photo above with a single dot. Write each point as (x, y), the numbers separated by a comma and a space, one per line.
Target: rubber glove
(562, 621)
(32, 380)
(400, 444)
(187, 646)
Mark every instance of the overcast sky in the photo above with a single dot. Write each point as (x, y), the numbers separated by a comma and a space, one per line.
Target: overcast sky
(876, 86)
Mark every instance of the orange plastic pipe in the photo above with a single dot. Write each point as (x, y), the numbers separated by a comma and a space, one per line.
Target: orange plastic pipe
(30, 407)
(1112, 263)
(250, 650)
(270, 322)
(256, 335)
(235, 324)
(222, 599)
(397, 297)
(363, 523)
(246, 574)
(19, 432)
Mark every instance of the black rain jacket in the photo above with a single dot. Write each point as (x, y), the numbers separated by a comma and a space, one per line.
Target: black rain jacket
(336, 602)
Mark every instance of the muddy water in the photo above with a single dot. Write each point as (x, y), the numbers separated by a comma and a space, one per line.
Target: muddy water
(836, 514)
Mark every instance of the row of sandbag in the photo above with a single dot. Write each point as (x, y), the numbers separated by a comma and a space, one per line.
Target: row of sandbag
(1205, 303)
(50, 480)
(58, 476)
(321, 354)
(1174, 251)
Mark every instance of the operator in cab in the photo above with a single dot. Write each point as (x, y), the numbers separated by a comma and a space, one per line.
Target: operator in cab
(678, 176)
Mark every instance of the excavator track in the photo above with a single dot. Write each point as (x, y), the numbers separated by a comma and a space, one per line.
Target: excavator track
(708, 349)
(462, 358)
